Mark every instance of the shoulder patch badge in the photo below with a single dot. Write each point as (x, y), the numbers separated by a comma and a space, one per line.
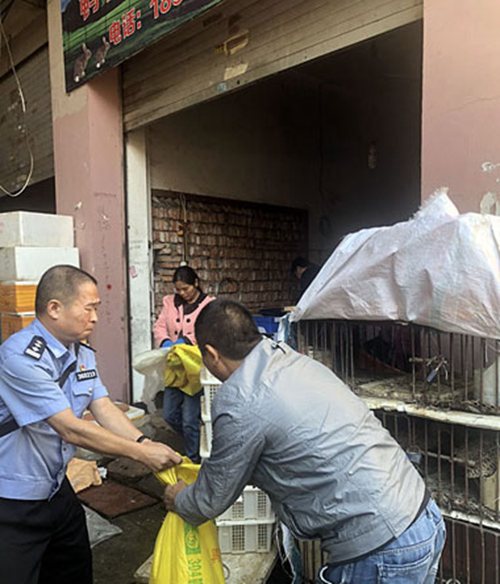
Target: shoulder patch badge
(36, 348)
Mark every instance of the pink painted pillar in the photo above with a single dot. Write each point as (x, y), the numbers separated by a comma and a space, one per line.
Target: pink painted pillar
(88, 156)
(461, 102)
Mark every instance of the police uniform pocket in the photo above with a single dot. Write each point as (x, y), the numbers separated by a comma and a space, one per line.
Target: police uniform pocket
(82, 396)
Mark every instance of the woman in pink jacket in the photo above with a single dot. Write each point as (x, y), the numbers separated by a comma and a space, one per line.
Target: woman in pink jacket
(176, 325)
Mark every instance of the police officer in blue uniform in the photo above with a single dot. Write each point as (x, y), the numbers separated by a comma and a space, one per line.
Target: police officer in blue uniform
(48, 378)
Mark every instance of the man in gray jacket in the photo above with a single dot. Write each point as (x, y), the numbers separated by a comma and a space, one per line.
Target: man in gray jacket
(288, 425)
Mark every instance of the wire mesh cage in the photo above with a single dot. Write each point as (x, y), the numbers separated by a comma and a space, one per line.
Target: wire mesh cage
(470, 556)
(458, 463)
(408, 362)
(438, 395)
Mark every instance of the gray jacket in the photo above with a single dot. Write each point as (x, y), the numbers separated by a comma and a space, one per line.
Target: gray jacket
(287, 424)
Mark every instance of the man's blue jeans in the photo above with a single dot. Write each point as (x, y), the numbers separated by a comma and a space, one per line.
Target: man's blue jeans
(412, 558)
(183, 413)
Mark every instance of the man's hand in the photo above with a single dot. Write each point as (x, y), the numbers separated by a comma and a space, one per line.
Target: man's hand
(157, 456)
(171, 493)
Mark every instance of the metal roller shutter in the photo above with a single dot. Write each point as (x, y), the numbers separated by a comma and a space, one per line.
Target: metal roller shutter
(243, 41)
(14, 157)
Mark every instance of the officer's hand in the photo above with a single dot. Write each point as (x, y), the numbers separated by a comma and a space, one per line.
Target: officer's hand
(158, 456)
(170, 494)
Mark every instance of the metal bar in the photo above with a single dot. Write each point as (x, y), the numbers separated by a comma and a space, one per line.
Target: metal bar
(452, 365)
(481, 479)
(439, 352)
(466, 369)
(413, 371)
(467, 552)
(452, 462)
(481, 375)
(466, 466)
(440, 486)
(453, 551)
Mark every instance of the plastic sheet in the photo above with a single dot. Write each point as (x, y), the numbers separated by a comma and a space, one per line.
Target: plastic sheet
(152, 365)
(439, 269)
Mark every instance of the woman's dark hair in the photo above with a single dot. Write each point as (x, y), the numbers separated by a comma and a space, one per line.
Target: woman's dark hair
(187, 275)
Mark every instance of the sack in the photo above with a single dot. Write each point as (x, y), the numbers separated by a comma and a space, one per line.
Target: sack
(185, 554)
(182, 369)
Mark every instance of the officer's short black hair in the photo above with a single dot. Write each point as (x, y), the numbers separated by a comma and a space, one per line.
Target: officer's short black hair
(227, 326)
(60, 283)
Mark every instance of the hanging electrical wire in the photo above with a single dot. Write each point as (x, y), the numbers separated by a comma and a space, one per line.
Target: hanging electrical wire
(23, 107)
(183, 230)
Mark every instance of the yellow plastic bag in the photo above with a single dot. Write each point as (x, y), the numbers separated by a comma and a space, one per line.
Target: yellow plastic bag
(182, 369)
(185, 554)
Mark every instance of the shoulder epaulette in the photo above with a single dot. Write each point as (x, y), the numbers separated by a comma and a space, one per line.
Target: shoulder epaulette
(35, 348)
(87, 346)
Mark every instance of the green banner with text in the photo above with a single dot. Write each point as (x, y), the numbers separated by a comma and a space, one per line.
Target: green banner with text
(99, 34)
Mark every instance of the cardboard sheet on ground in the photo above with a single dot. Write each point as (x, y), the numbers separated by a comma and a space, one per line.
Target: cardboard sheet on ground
(184, 553)
(439, 269)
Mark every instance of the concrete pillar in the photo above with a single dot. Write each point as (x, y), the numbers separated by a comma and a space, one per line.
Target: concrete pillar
(461, 102)
(88, 159)
(139, 250)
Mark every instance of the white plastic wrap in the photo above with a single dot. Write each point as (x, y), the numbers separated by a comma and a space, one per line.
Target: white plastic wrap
(152, 365)
(439, 269)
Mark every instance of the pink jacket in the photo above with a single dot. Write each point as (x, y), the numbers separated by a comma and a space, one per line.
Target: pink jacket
(172, 323)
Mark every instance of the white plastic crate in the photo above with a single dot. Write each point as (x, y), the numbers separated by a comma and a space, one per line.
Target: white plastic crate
(240, 538)
(206, 440)
(210, 386)
(251, 504)
(205, 413)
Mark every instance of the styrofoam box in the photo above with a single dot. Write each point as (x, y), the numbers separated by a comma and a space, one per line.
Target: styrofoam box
(251, 504)
(240, 538)
(20, 228)
(29, 263)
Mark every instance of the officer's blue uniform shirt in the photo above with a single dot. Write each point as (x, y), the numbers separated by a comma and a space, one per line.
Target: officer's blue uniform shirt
(33, 458)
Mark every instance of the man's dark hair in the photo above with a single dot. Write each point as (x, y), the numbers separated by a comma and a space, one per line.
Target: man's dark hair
(299, 262)
(227, 326)
(60, 283)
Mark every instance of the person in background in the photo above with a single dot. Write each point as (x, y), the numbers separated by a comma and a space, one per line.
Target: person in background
(305, 272)
(48, 378)
(175, 325)
(288, 425)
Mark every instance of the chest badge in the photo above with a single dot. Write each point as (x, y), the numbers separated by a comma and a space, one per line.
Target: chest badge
(85, 375)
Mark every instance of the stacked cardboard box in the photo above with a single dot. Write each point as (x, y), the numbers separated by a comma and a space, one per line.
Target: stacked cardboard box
(30, 243)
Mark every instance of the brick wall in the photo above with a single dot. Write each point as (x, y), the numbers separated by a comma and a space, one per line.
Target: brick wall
(249, 243)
